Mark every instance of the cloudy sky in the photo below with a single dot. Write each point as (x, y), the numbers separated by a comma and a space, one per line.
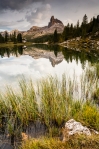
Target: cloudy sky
(12, 69)
(23, 14)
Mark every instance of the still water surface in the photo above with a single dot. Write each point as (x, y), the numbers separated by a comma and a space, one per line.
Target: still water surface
(39, 61)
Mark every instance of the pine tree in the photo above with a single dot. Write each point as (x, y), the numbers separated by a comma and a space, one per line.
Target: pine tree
(14, 37)
(85, 19)
(6, 36)
(64, 34)
(55, 37)
(77, 32)
(84, 26)
(1, 39)
(19, 38)
(11, 37)
(78, 24)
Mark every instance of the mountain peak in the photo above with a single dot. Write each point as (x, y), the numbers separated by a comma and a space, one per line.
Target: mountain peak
(53, 21)
(35, 31)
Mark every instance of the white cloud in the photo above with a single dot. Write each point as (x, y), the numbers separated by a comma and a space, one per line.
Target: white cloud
(38, 12)
(65, 22)
(39, 15)
(12, 69)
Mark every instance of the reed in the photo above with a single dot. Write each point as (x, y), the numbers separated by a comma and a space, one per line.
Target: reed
(52, 101)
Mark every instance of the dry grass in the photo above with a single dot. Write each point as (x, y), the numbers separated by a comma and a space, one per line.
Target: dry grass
(74, 142)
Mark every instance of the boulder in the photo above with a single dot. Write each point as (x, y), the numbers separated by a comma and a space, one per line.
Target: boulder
(73, 127)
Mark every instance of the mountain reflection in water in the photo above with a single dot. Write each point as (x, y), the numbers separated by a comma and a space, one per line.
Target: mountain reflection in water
(39, 61)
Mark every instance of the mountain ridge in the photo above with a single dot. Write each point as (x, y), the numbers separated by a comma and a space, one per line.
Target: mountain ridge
(36, 31)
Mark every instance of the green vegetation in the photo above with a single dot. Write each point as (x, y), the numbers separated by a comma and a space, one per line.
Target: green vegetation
(42, 39)
(55, 36)
(11, 44)
(52, 101)
(69, 54)
(84, 31)
(19, 38)
(1, 39)
(16, 50)
(11, 38)
(78, 53)
(74, 142)
(6, 37)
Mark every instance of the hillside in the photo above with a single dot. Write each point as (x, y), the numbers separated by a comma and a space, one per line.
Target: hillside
(36, 31)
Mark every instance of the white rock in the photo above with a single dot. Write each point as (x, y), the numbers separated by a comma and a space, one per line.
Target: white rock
(74, 127)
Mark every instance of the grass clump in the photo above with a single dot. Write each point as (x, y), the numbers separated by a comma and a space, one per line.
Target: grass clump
(51, 102)
(90, 115)
(74, 142)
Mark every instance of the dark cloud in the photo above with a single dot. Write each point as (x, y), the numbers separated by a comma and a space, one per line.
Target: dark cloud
(23, 14)
(20, 20)
(16, 4)
(39, 15)
(20, 4)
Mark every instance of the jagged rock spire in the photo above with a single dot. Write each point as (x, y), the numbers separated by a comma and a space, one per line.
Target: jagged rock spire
(53, 21)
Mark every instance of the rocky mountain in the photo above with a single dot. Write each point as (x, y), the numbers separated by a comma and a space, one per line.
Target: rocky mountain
(16, 31)
(36, 31)
(11, 32)
(54, 21)
(44, 54)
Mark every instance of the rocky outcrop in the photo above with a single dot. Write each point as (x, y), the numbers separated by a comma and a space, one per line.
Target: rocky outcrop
(16, 32)
(36, 31)
(54, 21)
(55, 60)
(45, 54)
(73, 127)
(34, 28)
(11, 32)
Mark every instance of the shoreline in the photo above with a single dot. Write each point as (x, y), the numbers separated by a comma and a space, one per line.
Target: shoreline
(12, 44)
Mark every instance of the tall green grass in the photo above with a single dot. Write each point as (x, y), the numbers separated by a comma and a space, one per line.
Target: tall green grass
(52, 102)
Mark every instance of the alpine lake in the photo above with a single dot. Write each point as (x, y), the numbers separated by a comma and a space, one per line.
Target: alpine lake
(41, 61)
